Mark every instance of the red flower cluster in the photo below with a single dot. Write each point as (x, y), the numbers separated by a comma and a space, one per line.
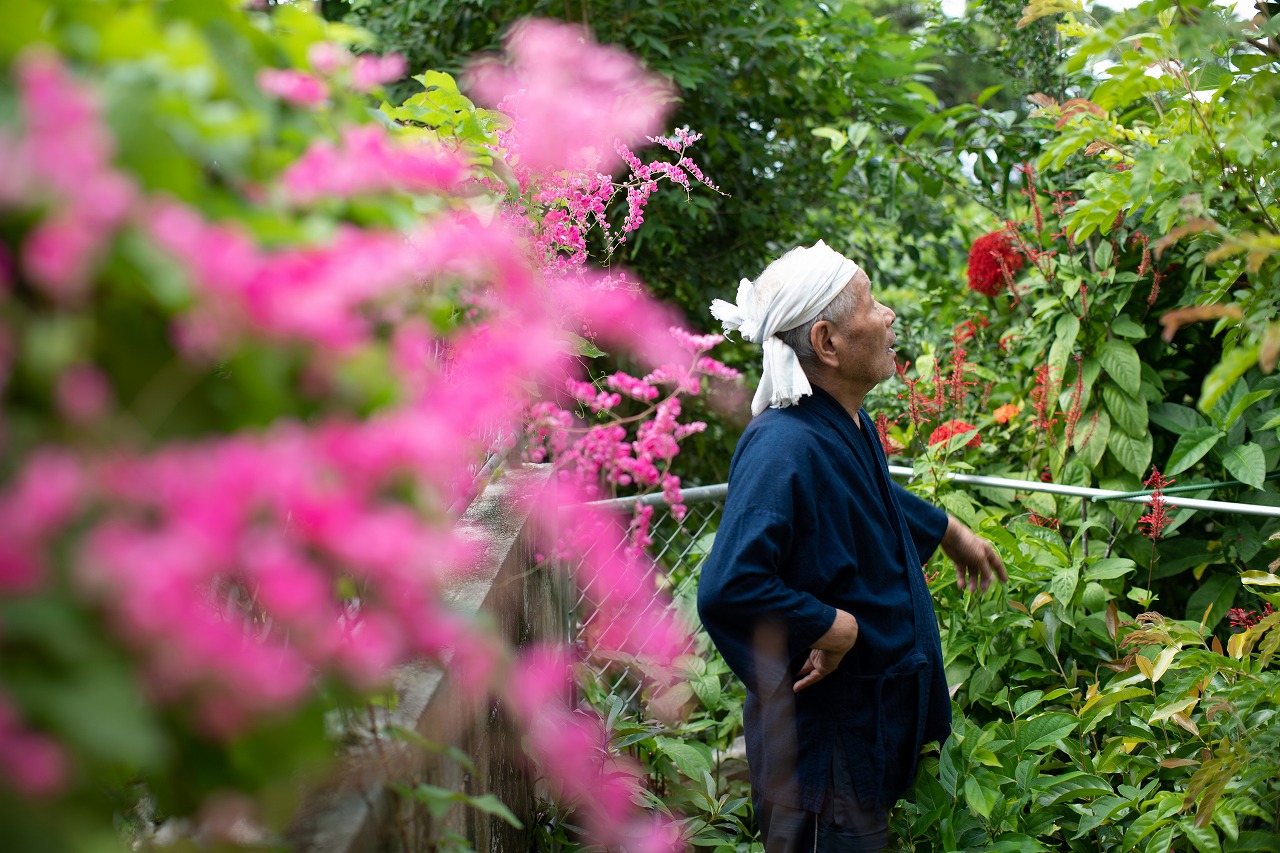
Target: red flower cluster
(992, 263)
(967, 330)
(954, 427)
(892, 447)
(1242, 619)
(1157, 517)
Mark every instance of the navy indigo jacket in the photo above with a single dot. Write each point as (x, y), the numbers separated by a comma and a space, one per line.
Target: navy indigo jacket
(813, 522)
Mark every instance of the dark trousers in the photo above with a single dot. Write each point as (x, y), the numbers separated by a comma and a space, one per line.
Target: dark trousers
(843, 826)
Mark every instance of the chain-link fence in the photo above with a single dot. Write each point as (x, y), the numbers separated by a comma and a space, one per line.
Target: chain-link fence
(678, 549)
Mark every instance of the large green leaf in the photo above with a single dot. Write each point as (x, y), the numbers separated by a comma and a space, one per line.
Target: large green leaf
(1175, 418)
(1092, 433)
(978, 797)
(1041, 731)
(1128, 412)
(1191, 448)
(1246, 463)
(1134, 454)
(1122, 364)
(1216, 593)
(1067, 328)
(689, 759)
(1063, 585)
(1224, 375)
(1109, 567)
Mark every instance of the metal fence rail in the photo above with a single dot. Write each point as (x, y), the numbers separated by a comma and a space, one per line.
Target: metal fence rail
(679, 548)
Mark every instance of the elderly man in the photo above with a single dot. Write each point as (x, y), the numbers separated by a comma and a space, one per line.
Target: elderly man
(814, 591)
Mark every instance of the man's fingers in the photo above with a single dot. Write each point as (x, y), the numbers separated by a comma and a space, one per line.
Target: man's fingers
(805, 682)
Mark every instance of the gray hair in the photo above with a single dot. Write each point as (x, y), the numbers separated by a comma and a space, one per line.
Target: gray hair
(798, 338)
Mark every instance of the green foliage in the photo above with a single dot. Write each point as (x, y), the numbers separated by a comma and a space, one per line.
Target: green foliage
(1084, 725)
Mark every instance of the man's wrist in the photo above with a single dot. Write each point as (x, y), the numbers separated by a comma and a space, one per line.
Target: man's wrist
(841, 636)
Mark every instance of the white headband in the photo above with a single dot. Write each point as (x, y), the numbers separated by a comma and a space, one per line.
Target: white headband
(789, 293)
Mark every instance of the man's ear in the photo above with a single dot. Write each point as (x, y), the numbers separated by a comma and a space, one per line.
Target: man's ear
(821, 338)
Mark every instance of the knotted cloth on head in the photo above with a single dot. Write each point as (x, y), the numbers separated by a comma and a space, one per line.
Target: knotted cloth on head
(792, 291)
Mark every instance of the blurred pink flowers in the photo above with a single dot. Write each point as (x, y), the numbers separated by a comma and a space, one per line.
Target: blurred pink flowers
(571, 97)
(62, 162)
(31, 763)
(370, 71)
(293, 86)
(368, 161)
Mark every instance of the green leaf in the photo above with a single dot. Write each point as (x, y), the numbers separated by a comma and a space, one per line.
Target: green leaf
(1109, 567)
(1128, 412)
(690, 761)
(1068, 327)
(1176, 419)
(1122, 364)
(584, 347)
(1102, 256)
(1243, 403)
(489, 804)
(1191, 448)
(1096, 708)
(1247, 463)
(1215, 593)
(1145, 824)
(1041, 731)
(837, 138)
(1074, 789)
(1092, 435)
(1026, 701)
(981, 799)
(1132, 453)
(1224, 375)
(1260, 579)
(1204, 838)
(1126, 328)
(1063, 585)
(1015, 842)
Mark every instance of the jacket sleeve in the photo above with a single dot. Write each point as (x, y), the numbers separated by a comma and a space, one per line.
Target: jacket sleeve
(744, 599)
(925, 522)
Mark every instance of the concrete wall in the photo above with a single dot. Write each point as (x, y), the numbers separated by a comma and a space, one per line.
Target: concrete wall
(354, 812)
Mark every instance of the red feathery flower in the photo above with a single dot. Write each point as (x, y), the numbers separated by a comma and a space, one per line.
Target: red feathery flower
(992, 261)
(891, 445)
(1157, 517)
(950, 428)
(1242, 619)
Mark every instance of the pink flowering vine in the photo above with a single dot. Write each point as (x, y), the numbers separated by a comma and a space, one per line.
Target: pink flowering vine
(243, 570)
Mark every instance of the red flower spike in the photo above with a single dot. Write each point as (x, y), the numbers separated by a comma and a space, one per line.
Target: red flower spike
(1157, 516)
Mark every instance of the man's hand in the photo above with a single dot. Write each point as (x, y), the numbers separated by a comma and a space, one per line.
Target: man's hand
(976, 559)
(829, 650)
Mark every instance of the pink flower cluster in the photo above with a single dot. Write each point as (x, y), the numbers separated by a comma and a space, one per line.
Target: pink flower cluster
(571, 98)
(311, 293)
(293, 86)
(372, 72)
(367, 161)
(47, 491)
(364, 74)
(596, 399)
(30, 763)
(61, 163)
(188, 575)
